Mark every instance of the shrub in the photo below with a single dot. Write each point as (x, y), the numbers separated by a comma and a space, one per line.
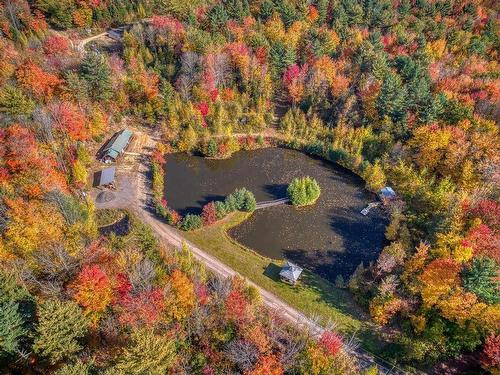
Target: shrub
(249, 202)
(191, 222)
(212, 148)
(374, 176)
(157, 180)
(337, 155)
(220, 210)
(303, 191)
(245, 200)
(230, 203)
(209, 214)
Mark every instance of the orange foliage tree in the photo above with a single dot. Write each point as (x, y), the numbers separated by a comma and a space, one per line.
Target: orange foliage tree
(93, 290)
(42, 84)
(267, 365)
(438, 279)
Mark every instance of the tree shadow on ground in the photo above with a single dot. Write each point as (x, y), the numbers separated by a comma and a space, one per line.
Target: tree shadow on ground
(272, 271)
(120, 228)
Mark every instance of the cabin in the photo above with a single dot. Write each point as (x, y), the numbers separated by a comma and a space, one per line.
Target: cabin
(290, 273)
(387, 194)
(116, 146)
(106, 177)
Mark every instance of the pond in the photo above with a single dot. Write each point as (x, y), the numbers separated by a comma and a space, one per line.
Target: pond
(329, 238)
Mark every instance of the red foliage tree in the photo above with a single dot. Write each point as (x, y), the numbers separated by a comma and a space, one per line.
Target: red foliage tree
(22, 163)
(209, 214)
(157, 157)
(330, 342)
(56, 45)
(202, 294)
(18, 149)
(41, 83)
(490, 357)
(69, 119)
(488, 211)
(122, 288)
(484, 241)
(167, 23)
(142, 309)
(235, 305)
(292, 72)
(203, 108)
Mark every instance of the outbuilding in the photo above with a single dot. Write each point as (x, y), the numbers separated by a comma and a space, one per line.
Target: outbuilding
(116, 146)
(290, 273)
(106, 177)
(387, 194)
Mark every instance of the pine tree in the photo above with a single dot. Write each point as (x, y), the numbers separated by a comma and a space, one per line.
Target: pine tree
(322, 6)
(12, 328)
(95, 70)
(60, 325)
(14, 102)
(76, 368)
(392, 102)
(480, 278)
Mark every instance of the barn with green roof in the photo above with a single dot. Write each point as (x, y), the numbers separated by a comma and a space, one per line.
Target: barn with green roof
(116, 146)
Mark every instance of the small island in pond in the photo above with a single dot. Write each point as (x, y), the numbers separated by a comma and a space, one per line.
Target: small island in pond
(303, 191)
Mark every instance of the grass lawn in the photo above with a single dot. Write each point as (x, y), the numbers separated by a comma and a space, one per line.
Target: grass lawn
(314, 296)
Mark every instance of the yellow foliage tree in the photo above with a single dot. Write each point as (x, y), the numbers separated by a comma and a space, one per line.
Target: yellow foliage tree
(32, 225)
(183, 297)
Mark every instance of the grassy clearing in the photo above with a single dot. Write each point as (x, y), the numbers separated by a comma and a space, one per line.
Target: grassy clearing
(314, 296)
(107, 217)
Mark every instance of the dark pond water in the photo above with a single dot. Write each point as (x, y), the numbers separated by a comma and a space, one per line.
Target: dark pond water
(330, 238)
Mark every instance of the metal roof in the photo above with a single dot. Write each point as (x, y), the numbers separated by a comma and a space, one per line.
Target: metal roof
(290, 271)
(387, 192)
(117, 143)
(106, 176)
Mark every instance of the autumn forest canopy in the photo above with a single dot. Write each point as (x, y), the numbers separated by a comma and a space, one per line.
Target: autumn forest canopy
(403, 93)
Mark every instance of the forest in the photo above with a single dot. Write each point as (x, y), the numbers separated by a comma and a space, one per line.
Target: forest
(403, 93)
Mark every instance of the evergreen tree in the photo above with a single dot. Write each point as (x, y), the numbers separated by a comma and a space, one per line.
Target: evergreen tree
(217, 17)
(303, 191)
(281, 56)
(14, 102)
(76, 368)
(10, 290)
(237, 9)
(391, 102)
(12, 328)
(266, 9)
(95, 70)
(191, 222)
(59, 12)
(480, 278)
(322, 6)
(60, 325)
(211, 148)
(288, 13)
